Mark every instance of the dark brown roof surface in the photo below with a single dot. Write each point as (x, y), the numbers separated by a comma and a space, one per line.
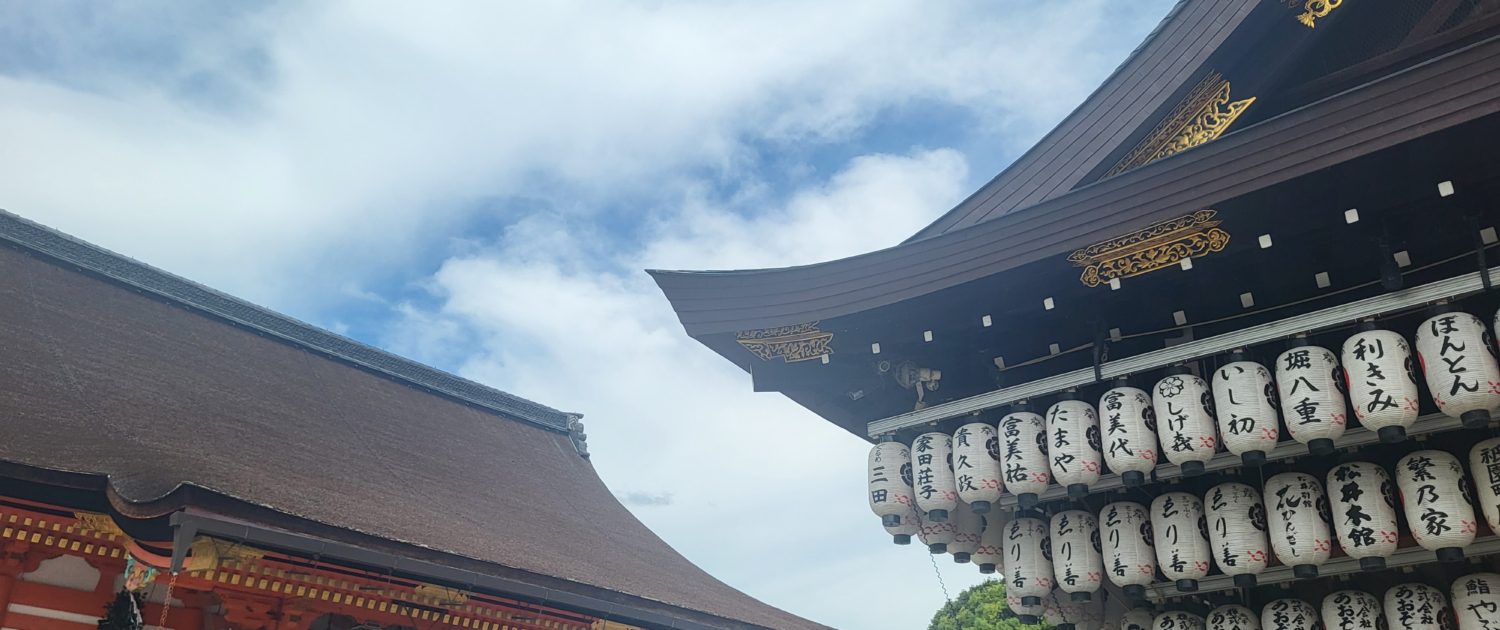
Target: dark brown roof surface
(100, 379)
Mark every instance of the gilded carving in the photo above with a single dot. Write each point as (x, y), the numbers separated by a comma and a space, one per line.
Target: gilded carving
(1203, 116)
(799, 342)
(1312, 10)
(99, 524)
(1161, 244)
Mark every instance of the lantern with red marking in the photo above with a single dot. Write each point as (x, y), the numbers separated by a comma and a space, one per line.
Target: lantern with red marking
(1297, 520)
(1312, 396)
(1023, 456)
(1182, 549)
(1076, 556)
(1289, 614)
(1184, 408)
(1237, 531)
(1352, 610)
(1476, 601)
(1484, 464)
(990, 555)
(1435, 498)
(1378, 369)
(1129, 425)
(976, 465)
(1177, 620)
(936, 536)
(1459, 365)
(932, 470)
(1415, 606)
(1073, 445)
(1232, 617)
(1245, 401)
(1028, 560)
(1363, 502)
(1137, 619)
(1129, 559)
(1029, 614)
(967, 529)
(910, 525)
(889, 468)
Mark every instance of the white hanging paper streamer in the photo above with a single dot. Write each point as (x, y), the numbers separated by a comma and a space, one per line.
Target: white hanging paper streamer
(1129, 558)
(1184, 411)
(1137, 619)
(1377, 366)
(1075, 552)
(1476, 601)
(1484, 464)
(1233, 618)
(1246, 404)
(937, 536)
(1289, 614)
(976, 465)
(1177, 620)
(1363, 501)
(967, 528)
(1297, 521)
(1310, 384)
(1028, 558)
(1415, 606)
(1351, 610)
(1073, 443)
(1129, 425)
(1462, 375)
(990, 556)
(1023, 454)
(889, 468)
(1437, 508)
(932, 467)
(1181, 527)
(1237, 529)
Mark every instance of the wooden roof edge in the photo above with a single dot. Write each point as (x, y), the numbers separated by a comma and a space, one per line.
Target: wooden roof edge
(57, 246)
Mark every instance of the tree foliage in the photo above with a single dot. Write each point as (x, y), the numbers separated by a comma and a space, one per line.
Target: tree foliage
(981, 607)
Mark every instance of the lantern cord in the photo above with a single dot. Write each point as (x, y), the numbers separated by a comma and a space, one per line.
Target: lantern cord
(166, 601)
(939, 574)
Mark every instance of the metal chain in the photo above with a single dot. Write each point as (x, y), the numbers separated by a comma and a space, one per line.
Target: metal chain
(166, 601)
(931, 558)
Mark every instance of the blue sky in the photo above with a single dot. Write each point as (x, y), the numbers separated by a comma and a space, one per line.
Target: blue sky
(479, 186)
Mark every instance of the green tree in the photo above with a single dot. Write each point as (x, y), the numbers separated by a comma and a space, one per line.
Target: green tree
(981, 607)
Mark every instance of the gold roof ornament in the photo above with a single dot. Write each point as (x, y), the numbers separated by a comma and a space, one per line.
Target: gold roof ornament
(1161, 244)
(798, 342)
(1314, 9)
(1203, 116)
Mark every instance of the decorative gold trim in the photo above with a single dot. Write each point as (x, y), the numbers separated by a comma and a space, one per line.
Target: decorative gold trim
(799, 342)
(1314, 9)
(1153, 247)
(102, 524)
(1203, 116)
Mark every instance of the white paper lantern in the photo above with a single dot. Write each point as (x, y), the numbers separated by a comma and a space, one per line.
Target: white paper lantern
(1237, 531)
(1028, 560)
(1129, 425)
(1476, 601)
(1484, 464)
(1137, 619)
(1177, 620)
(1182, 549)
(976, 465)
(1076, 556)
(1351, 610)
(1129, 558)
(1459, 366)
(936, 536)
(967, 529)
(932, 470)
(1023, 456)
(1232, 617)
(1246, 403)
(1029, 614)
(889, 468)
(1378, 369)
(1312, 399)
(1362, 499)
(1288, 614)
(990, 556)
(1297, 521)
(1437, 508)
(911, 525)
(1415, 606)
(1185, 413)
(1073, 446)
(1063, 614)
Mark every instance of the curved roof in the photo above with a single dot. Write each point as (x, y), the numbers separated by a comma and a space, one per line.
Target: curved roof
(169, 403)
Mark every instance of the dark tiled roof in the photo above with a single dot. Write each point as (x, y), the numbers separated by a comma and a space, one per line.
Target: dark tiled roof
(48, 242)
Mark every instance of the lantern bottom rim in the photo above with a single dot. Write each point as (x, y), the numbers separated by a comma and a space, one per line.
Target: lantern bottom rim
(1373, 563)
(1391, 435)
(986, 568)
(1187, 586)
(1450, 554)
(1320, 446)
(1192, 469)
(1305, 571)
(1029, 620)
(1027, 500)
(1245, 580)
(1133, 478)
(961, 558)
(1475, 418)
(1081, 596)
(901, 539)
(1031, 600)
(1078, 490)
(937, 548)
(1134, 591)
(891, 520)
(937, 516)
(980, 507)
(1254, 459)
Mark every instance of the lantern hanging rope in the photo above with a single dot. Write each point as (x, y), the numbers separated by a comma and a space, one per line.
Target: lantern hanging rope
(1476, 601)
(1245, 401)
(1458, 363)
(1289, 614)
(1378, 368)
(1352, 610)
(932, 465)
(1182, 549)
(1484, 464)
(889, 468)
(1129, 425)
(1435, 498)
(1237, 531)
(1129, 557)
(1363, 501)
(1415, 606)
(1185, 412)
(1073, 445)
(1028, 560)
(1023, 456)
(1297, 521)
(976, 465)
(1232, 617)
(1076, 555)
(1312, 397)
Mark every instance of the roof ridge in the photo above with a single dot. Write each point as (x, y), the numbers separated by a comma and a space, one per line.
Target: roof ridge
(54, 244)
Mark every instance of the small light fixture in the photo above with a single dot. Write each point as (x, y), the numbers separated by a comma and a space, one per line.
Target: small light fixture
(1403, 258)
(1265, 241)
(875, 348)
(1186, 264)
(1114, 334)
(1351, 215)
(1247, 300)
(1047, 304)
(1179, 317)
(1487, 235)
(1321, 279)
(986, 321)
(1054, 348)
(1114, 284)
(927, 335)
(1445, 189)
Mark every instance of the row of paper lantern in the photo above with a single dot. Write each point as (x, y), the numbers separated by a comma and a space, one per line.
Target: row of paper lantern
(1237, 527)
(1411, 606)
(1072, 446)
